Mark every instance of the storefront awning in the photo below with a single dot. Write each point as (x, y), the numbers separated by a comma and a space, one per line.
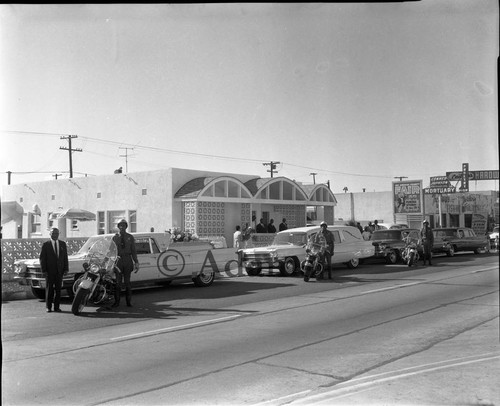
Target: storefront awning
(11, 211)
(74, 214)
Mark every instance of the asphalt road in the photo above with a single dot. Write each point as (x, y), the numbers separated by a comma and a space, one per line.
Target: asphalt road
(381, 334)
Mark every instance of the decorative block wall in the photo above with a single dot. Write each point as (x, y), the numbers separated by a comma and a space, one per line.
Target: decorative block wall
(295, 215)
(204, 218)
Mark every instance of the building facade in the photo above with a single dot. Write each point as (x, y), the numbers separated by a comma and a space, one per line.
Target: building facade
(209, 204)
(471, 209)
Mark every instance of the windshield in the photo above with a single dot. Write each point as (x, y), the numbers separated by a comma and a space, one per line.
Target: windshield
(91, 241)
(101, 251)
(298, 239)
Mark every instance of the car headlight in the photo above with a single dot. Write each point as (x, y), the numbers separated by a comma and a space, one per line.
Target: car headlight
(383, 246)
(94, 268)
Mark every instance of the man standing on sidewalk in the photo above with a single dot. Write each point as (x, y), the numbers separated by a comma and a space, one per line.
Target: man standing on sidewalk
(54, 264)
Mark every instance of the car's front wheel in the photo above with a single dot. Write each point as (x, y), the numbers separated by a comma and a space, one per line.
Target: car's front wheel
(392, 257)
(450, 252)
(38, 293)
(353, 263)
(253, 271)
(287, 267)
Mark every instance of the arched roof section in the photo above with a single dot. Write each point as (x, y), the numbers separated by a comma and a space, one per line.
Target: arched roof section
(214, 187)
(320, 194)
(277, 189)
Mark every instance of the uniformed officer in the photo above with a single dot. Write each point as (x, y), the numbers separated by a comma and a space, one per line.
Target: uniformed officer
(128, 261)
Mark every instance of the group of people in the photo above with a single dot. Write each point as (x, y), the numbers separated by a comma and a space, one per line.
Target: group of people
(368, 230)
(242, 237)
(54, 264)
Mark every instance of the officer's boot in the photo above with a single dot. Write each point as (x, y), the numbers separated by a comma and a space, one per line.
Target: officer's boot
(128, 296)
(117, 297)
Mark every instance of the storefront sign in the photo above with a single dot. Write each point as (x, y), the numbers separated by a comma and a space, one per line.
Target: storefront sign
(439, 190)
(408, 197)
(473, 175)
(479, 223)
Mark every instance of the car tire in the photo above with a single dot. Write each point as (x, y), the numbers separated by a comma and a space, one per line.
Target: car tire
(450, 252)
(204, 279)
(353, 263)
(287, 267)
(480, 250)
(392, 258)
(38, 293)
(253, 271)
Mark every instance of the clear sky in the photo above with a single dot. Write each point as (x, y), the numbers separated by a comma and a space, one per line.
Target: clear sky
(356, 93)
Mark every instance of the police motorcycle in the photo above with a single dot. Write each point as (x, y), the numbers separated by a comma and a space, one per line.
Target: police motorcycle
(312, 266)
(97, 284)
(410, 255)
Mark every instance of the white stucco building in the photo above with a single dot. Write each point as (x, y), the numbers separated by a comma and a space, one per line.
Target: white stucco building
(207, 203)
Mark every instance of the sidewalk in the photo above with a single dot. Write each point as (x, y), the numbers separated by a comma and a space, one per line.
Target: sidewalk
(11, 290)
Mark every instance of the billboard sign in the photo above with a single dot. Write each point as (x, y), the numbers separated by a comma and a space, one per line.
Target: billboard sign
(473, 175)
(408, 197)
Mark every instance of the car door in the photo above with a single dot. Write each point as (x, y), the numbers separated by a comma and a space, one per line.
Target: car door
(147, 253)
(342, 250)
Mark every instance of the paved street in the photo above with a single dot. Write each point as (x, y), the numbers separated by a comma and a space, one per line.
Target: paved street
(380, 334)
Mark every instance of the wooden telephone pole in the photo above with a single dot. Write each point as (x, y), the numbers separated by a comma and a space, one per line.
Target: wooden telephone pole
(70, 149)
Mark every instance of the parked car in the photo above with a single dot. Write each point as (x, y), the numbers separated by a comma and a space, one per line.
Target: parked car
(389, 243)
(392, 226)
(288, 250)
(455, 239)
(161, 261)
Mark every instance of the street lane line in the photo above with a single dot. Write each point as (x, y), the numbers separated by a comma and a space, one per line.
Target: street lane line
(351, 387)
(173, 328)
(293, 395)
(394, 287)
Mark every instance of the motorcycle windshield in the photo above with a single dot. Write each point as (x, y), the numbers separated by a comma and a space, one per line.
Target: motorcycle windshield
(103, 252)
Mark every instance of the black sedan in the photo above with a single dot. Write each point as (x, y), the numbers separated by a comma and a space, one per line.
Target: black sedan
(389, 243)
(454, 239)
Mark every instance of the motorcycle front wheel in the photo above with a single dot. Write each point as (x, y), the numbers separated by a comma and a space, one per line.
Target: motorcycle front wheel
(80, 300)
(411, 259)
(307, 272)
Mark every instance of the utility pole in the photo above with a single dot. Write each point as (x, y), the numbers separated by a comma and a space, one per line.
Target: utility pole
(8, 177)
(400, 177)
(272, 164)
(56, 175)
(126, 157)
(313, 174)
(70, 149)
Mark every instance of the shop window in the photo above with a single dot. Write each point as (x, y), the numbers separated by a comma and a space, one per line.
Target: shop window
(101, 223)
(144, 192)
(74, 225)
(113, 218)
(220, 189)
(233, 189)
(35, 224)
(287, 191)
(274, 191)
(468, 220)
(132, 221)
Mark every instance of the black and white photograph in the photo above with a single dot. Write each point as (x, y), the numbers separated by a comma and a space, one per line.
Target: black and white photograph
(261, 204)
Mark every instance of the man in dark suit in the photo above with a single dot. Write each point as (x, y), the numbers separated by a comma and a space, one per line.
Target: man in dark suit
(54, 264)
